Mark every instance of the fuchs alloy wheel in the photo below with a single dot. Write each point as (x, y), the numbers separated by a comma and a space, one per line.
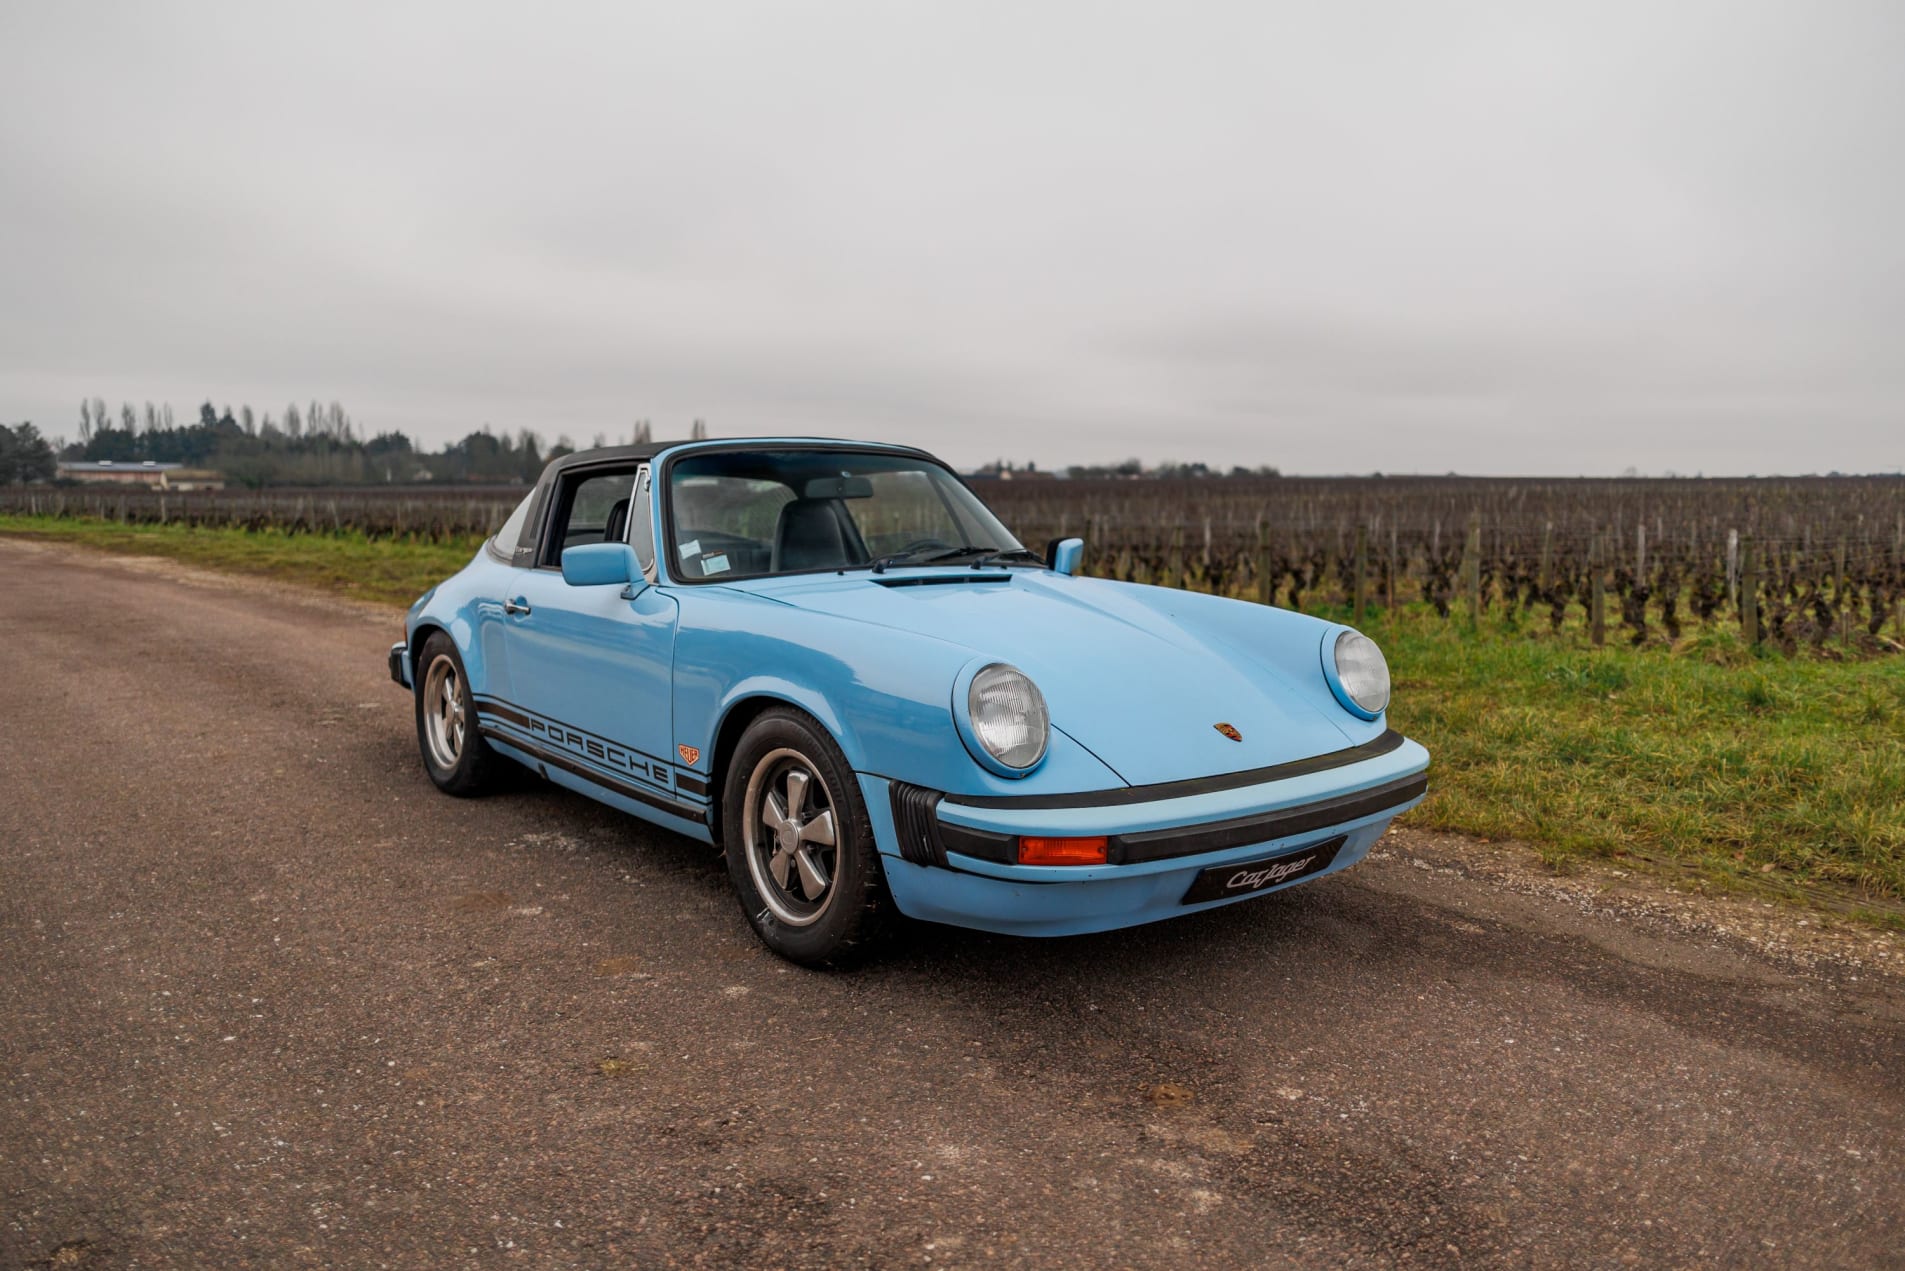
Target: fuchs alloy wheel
(799, 847)
(793, 849)
(454, 753)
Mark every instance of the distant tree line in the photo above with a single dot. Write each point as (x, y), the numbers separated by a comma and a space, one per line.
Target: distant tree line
(1132, 469)
(25, 456)
(318, 443)
(314, 444)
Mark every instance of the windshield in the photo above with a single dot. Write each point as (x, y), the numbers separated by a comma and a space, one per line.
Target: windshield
(744, 514)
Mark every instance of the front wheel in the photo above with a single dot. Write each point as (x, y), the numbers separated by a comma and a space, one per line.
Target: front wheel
(799, 846)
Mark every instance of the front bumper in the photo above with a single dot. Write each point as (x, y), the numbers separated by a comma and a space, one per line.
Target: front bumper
(954, 861)
(400, 664)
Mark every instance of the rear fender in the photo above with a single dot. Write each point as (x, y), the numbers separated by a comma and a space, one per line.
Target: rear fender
(456, 607)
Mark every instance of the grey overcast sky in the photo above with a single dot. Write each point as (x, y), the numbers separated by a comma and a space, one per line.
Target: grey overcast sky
(1336, 237)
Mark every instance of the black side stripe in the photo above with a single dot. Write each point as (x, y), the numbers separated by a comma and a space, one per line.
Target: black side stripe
(557, 760)
(601, 749)
(501, 709)
(1196, 785)
(586, 745)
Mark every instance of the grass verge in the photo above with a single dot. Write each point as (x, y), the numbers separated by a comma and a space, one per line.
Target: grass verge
(394, 571)
(1775, 774)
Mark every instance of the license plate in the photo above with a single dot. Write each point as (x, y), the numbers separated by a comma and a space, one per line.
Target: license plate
(1245, 877)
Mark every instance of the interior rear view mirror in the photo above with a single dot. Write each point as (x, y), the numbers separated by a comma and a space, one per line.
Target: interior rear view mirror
(838, 488)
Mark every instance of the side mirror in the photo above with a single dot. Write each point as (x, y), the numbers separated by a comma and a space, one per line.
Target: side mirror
(599, 565)
(1065, 554)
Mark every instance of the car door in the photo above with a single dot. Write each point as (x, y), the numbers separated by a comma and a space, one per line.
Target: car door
(591, 667)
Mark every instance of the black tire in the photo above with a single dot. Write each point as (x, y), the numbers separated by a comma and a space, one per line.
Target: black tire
(774, 868)
(457, 758)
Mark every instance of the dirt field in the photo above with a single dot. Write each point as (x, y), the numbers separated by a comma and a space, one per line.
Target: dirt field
(267, 999)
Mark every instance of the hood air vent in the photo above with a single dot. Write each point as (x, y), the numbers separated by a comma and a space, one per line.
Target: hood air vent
(943, 580)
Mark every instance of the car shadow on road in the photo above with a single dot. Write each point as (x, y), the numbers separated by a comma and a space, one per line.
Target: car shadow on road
(1315, 956)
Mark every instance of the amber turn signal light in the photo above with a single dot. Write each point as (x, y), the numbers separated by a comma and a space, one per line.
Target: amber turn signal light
(1050, 851)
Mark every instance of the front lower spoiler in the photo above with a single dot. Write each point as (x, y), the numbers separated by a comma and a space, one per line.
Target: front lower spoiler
(954, 861)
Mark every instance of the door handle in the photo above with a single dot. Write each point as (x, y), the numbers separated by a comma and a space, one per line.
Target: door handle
(518, 605)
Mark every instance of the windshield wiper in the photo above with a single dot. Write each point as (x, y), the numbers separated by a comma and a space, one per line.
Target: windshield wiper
(946, 556)
(1009, 554)
(879, 564)
(983, 556)
(953, 553)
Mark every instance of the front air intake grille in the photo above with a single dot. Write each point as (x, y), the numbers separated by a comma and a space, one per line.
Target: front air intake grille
(916, 822)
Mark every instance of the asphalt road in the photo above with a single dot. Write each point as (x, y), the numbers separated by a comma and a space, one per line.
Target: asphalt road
(268, 999)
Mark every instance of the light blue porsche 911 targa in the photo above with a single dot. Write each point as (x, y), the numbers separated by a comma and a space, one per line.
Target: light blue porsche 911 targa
(832, 661)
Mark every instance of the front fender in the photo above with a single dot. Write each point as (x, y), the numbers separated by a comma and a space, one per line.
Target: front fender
(884, 695)
(1282, 641)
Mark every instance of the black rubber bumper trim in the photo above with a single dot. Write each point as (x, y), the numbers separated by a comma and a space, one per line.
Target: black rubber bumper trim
(1210, 836)
(544, 755)
(396, 665)
(916, 823)
(1215, 836)
(987, 845)
(1123, 795)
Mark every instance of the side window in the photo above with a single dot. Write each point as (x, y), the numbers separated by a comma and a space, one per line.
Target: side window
(504, 541)
(641, 525)
(590, 508)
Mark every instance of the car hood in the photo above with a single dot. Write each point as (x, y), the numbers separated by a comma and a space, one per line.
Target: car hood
(1141, 687)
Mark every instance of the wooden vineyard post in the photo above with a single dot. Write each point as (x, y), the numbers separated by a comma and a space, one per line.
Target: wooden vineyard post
(1547, 545)
(1395, 567)
(1597, 606)
(1362, 573)
(1266, 585)
(1733, 567)
(1472, 570)
(1844, 615)
(1749, 593)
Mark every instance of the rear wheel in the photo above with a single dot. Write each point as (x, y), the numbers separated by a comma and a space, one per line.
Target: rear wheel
(454, 753)
(799, 846)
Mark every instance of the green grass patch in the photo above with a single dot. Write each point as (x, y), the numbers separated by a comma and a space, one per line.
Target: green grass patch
(1782, 773)
(1785, 775)
(394, 571)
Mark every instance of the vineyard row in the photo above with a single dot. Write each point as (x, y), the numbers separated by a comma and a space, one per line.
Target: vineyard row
(1798, 562)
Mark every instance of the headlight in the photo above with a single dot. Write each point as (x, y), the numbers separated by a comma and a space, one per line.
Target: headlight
(1361, 671)
(1008, 716)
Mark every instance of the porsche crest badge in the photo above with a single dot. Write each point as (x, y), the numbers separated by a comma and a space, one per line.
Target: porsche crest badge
(689, 754)
(1228, 731)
